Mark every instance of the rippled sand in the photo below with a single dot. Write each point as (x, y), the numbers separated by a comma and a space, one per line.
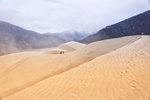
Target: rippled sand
(115, 69)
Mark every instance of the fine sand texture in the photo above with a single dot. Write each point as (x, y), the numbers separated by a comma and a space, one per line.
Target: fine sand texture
(115, 69)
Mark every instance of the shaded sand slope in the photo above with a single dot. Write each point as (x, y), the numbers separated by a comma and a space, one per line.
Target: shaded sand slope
(123, 74)
(42, 66)
(71, 46)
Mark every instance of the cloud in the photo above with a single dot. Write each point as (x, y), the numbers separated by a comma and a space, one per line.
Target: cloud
(60, 15)
(0, 1)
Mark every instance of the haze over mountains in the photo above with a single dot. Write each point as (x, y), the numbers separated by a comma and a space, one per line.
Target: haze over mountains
(15, 39)
(133, 26)
(72, 35)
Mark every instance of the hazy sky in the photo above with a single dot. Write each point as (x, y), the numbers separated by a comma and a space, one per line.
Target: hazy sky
(59, 15)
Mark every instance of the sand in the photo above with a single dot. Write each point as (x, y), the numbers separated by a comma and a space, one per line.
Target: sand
(71, 46)
(56, 51)
(65, 48)
(115, 69)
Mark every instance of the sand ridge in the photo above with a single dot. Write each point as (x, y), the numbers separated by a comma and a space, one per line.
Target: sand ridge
(71, 46)
(73, 60)
(56, 51)
(65, 48)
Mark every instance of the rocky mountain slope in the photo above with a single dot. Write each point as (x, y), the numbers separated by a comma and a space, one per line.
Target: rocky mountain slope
(136, 25)
(14, 39)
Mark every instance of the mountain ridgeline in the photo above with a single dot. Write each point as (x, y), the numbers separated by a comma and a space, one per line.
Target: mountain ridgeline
(72, 35)
(136, 25)
(15, 39)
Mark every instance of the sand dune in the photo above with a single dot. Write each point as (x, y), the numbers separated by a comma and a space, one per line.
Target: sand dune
(65, 48)
(116, 69)
(55, 51)
(71, 46)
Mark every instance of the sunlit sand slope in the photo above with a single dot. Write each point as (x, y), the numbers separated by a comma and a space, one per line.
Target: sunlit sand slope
(49, 77)
(8, 62)
(123, 74)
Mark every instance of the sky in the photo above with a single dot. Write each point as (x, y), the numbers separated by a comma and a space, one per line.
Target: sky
(59, 15)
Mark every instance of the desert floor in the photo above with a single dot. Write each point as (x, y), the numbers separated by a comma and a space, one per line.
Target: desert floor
(114, 69)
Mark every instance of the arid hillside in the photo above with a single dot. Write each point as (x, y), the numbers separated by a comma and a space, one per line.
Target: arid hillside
(136, 25)
(16, 39)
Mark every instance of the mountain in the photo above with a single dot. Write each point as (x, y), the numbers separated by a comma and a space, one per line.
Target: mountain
(14, 39)
(136, 25)
(72, 35)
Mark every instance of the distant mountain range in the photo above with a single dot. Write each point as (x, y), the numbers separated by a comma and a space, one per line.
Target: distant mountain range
(72, 35)
(136, 25)
(15, 39)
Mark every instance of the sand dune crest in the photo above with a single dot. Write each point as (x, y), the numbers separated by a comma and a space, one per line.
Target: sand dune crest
(65, 48)
(56, 51)
(71, 46)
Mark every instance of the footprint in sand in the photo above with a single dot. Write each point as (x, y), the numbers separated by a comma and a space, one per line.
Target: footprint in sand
(109, 99)
(132, 84)
(89, 74)
(73, 96)
(121, 88)
(133, 64)
(122, 98)
(82, 87)
(129, 61)
(80, 81)
(133, 87)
